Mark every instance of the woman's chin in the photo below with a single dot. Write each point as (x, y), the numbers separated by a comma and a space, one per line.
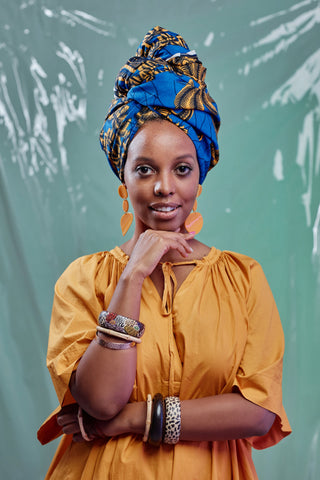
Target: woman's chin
(165, 227)
(173, 225)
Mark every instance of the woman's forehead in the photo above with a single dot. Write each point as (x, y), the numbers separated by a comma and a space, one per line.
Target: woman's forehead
(161, 134)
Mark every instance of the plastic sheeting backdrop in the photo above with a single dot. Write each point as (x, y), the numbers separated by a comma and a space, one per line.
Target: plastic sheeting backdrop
(58, 61)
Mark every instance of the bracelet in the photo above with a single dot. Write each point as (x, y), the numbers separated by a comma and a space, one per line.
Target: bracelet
(173, 420)
(113, 345)
(113, 333)
(148, 419)
(157, 421)
(81, 426)
(121, 324)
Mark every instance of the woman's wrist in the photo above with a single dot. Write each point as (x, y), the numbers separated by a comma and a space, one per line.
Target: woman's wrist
(137, 413)
(127, 295)
(130, 420)
(132, 276)
(109, 338)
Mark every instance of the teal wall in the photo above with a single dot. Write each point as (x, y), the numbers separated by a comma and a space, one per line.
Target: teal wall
(58, 199)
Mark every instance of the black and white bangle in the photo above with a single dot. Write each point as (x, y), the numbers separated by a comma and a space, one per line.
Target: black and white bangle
(173, 420)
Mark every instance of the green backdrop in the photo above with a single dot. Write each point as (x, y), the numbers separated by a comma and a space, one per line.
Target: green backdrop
(58, 199)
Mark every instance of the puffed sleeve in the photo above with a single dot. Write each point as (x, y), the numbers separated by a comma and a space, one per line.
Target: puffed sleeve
(79, 297)
(75, 310)
(259, 376)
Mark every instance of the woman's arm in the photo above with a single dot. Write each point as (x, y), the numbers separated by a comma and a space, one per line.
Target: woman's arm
(103, 381)
(222, 417)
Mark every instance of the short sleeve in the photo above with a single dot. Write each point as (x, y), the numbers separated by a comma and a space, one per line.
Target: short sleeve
(76, 307)
(82, 291)
(259, 377)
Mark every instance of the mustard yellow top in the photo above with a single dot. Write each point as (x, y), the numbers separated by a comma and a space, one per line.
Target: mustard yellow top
(220, 331)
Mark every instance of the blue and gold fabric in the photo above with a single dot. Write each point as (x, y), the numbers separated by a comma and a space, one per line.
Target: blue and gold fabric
(166, 80)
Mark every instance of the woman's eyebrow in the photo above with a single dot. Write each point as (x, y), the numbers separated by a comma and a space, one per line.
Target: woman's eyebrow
(186, 155)
(141, 159)
(151, 160)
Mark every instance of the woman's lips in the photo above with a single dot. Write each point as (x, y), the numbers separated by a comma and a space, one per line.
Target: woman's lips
(164, 211)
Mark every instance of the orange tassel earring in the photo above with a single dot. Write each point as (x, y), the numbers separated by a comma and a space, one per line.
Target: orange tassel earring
(194, 221)
(127, 217)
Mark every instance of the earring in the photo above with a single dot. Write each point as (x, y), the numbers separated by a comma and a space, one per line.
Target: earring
(194, 221)
(127, 217)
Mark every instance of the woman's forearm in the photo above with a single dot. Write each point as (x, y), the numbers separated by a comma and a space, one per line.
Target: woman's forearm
(223, 417)
(127, 295)
(217, 418)
(104, 379)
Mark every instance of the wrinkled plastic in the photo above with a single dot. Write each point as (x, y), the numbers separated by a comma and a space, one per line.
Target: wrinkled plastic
(58, 197)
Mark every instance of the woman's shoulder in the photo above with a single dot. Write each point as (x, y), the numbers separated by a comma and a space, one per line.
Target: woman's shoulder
(241, 263)
(227, 257)
(239, 271)
(238, 258)
(245, 271)
(234, 265)
(90, 265)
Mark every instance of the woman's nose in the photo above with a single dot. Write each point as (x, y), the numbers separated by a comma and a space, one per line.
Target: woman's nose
(164, 186)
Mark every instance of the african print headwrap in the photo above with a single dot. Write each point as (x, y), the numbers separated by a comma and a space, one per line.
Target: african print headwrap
(166, 80)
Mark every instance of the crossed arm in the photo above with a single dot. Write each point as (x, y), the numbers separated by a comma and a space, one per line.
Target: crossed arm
(103, 382)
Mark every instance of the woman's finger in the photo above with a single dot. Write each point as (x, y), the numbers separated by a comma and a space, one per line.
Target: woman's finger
(67, 413)
(64, 419)
(152, 245)
(181, 245)
(71, 428)
(78, 438)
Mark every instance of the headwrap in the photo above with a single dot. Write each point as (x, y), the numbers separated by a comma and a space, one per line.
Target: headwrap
(166, 80)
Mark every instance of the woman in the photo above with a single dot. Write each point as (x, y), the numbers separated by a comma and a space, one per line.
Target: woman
(166, 354)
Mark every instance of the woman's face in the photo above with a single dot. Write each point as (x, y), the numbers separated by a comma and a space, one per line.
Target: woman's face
(162, 176)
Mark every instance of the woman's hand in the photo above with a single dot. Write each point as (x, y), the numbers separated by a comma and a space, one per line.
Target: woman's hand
(152, 245)
(131, 419)
(67, 418)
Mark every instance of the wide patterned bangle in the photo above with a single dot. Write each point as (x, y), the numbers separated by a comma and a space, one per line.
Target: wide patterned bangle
(173, 420)
(113, 333)
(148, 419)
(113, 345)
(157, 420)
(121, 324)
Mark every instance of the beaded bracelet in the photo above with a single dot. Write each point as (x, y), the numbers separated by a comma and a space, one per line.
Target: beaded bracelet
(113, 345)
(113, 333)
(173, 420)
(157, 420)
(121, 324)
(148, 419)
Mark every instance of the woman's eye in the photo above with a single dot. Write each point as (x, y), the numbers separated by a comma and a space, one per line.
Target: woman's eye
(183, 169)
(143, 169)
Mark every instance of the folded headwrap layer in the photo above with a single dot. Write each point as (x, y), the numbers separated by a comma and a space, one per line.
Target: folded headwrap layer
(166, 80)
